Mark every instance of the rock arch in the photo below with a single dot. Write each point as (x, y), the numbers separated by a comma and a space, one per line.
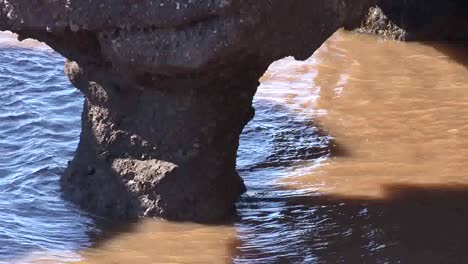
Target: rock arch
(168, 87)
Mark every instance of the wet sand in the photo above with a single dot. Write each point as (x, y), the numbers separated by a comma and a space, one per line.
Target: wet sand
(398, 113)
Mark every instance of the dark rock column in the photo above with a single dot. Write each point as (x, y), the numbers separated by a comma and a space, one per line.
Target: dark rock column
(167, 150)
(168, 87)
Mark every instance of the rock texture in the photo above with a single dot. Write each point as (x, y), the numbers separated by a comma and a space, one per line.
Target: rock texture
(169, 84)
(377, 22)
(168, 88)
(419, 19)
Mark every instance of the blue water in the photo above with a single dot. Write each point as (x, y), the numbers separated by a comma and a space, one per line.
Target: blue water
(39, 129)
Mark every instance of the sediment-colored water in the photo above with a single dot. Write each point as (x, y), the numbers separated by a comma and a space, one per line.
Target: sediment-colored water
(398, 114)
(356, 155)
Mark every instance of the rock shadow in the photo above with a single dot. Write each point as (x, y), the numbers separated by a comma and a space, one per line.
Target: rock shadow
(428, 20)
(412, 224)
(455, 50)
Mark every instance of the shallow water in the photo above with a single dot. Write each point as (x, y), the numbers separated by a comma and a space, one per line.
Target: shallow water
(355, 155)
(399, 113)
(39, 129)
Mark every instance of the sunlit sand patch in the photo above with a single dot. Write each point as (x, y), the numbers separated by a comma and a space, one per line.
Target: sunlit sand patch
(165, 242)
(152, 242)
(398, 112)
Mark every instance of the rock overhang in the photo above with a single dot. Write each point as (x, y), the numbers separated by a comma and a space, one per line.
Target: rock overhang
(171, 37)
(168, 88)
(56, 15)
(168, 82)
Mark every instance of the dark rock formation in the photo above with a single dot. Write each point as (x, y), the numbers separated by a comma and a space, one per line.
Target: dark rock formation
(169, 85)
(419, 19)
(377, 22)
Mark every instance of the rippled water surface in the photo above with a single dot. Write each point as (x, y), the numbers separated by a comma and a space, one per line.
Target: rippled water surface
(356, 155)
(39, 129)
